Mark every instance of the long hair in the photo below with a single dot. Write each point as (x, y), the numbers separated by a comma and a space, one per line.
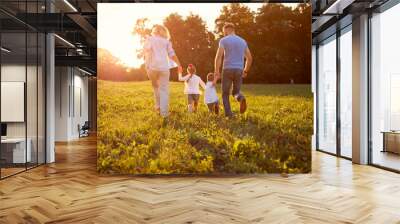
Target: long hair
(191, 69)
(160, 30)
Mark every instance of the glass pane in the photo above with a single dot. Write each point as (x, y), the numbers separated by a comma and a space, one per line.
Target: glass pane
(23, 90)
(386, 89)
(31, 87)
(327, 96)
(41, 98)
(32, 96)
(346, 94)
(14, 153)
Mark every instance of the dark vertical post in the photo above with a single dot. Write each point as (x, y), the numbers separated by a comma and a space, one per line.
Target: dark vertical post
(338, 81)
(37, 89)
(26, 86)
(369, 89)
(45, 87)
(317, 97)
(45, 94)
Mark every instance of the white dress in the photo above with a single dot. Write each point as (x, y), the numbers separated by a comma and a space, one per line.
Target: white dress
(210, 93)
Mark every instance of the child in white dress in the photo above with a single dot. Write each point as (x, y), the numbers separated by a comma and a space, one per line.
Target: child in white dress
(210, 95)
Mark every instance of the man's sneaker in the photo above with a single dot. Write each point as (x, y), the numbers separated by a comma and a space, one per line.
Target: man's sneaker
(243, 106)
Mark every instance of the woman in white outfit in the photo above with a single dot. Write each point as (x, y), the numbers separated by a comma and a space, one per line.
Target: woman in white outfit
(158, 52)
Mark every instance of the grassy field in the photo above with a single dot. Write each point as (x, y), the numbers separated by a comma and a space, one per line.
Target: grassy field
(273, 136)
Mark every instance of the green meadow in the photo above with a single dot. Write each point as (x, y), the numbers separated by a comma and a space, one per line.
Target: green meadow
(273, 136)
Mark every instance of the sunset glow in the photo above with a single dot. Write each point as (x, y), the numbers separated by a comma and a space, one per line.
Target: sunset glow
(116, 22)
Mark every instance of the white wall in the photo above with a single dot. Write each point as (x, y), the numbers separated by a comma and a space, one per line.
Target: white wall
(81, 94)
(62, 82)
(71, 94)
(13, 73)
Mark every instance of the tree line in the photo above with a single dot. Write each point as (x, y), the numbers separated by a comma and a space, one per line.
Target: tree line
(278, 36)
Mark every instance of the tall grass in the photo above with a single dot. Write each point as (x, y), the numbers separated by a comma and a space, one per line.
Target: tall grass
(273, 136)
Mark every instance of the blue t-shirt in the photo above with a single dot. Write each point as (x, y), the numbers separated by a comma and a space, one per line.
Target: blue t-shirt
(234, 48)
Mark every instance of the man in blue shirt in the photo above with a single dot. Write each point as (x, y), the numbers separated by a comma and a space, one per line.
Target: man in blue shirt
(234, 49)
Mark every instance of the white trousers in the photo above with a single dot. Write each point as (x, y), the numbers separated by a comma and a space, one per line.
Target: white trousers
(160, 83)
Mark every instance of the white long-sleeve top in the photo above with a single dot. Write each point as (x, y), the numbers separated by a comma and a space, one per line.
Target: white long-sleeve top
(210, 93)
(158, 53)
(192, 83)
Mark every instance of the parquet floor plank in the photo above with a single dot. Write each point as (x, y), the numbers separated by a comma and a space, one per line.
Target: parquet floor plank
(71, 191)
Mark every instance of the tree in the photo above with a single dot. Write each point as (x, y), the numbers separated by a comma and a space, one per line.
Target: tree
(303, 16)
(192, 41)
(273, 32)
(282, 44)
(278, 36)
(238, 14)
(143, 31)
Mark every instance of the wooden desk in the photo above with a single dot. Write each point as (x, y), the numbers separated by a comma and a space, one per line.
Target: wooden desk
(391, 141)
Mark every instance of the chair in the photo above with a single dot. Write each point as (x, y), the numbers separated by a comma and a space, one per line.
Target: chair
(84, 130)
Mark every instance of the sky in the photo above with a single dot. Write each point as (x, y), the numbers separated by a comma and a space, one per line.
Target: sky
(115, 23)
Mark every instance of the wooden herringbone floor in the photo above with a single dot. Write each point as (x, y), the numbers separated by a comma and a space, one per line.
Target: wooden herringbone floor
(70, 191)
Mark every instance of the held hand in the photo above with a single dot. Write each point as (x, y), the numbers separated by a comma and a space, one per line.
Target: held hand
(244, 74)
(214, 83)
(216, 77)
(180, 69)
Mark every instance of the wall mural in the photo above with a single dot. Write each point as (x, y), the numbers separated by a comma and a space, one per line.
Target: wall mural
(196, 88)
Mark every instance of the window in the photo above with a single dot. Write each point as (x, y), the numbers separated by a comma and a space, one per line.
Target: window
(385, 89)
(22, 88)
(346, 75)
(327, 95)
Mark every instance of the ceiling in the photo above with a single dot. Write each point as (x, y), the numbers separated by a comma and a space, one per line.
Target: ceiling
(328, 16)
(73, 21)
